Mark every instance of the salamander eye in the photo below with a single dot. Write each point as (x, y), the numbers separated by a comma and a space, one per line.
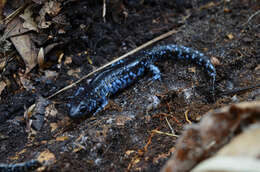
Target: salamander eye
(83, 108)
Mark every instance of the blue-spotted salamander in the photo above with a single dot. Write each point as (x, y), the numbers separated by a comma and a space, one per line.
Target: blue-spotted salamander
(93, 98)
(21, 167)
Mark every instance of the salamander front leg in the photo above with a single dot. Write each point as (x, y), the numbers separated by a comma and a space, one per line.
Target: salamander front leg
(156, 72)
(102, 106)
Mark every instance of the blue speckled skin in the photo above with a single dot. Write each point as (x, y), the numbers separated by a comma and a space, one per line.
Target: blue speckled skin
(21, 167)
(124, 72)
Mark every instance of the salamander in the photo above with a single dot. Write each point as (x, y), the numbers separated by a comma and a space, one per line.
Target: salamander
(27, 166)
(93, 98)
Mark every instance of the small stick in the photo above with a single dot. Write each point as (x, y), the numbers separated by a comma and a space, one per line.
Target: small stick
(104, 10)
(250, 18)
(170, 126)
(186, 117)
(239, 90)
(164, 133)
(165, 35)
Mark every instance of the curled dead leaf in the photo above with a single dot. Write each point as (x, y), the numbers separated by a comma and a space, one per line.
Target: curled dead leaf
(22, 43)
(54, 126)
(215, 61)
(230, 36)
(202, 140)
(62, 138)
(26, 83)
(28, 20)
(46, 157)
(40, 58)
(2, 86)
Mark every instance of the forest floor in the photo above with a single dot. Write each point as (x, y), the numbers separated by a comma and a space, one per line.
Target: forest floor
(128, 135)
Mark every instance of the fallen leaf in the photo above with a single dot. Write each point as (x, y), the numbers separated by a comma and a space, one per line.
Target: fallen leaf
(230, 36)
(49, 74)
(26, 83)
(28, 20)
(257, 67)
(2, 4)
(215, 61)
(74, 72)
(39, 1)
(51, 111)
(128, 152)
(227, 10)
(62, 138)
(208, 5)
(51, 8)
(122, 119)
(2, 86)
(40, 58)
(23, 43)
(2, 63)
(245, 144)
(68, 60)
(54, 126)
(192, 69)
(17, 155)
(46, 157)
(136, 161)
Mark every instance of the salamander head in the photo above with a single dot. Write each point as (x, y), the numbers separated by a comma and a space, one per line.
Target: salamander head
(82, 109)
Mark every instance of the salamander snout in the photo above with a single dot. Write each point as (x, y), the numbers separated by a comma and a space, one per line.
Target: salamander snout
(79, 110)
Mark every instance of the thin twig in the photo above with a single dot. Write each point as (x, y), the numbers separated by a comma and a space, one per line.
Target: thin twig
(170, 126)
(104, 10)
(173, 31)
(186, 117)
(239, 90)
(250, 18)
(164, 133)
(14, 14)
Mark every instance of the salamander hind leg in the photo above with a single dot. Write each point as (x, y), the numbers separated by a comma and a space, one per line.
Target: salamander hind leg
(102, 106)
(156, 72)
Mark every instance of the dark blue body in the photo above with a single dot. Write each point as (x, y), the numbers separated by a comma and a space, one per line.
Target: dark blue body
(124, 72)
(21, 167)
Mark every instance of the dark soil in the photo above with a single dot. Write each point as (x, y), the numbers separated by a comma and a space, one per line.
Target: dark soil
(120, 138)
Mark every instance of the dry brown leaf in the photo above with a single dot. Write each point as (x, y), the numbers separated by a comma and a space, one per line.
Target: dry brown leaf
(17, 155)
(51, 8)
(2, 86)
(192, 69)
(15, 28)
(23, 43)
(49, 74)
(28, 20)
(243, 148)
(230, 36)
(245, 144)
(215, 61)
(128, 152)
(39, 1)
(46, 157)
(54, 126)
(26, 83)
(200, 141)
(122, 119)
(208, 5)
(51, 111)
(68, 60)
(62, 138)
(74, 72)
(40, 58)
(2, 4)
